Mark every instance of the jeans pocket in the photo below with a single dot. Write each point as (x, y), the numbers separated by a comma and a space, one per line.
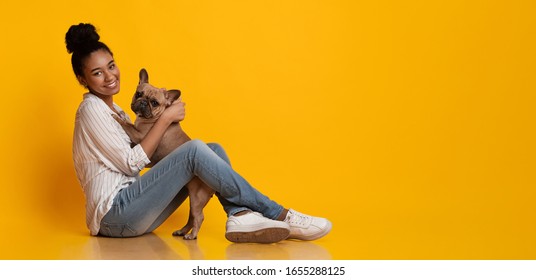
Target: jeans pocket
(117, 230)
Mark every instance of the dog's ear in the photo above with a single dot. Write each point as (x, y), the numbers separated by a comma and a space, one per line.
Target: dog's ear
(173, 95)
(144, 76)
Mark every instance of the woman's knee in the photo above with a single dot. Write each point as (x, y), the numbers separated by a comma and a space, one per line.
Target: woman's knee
(199, 148)
(194, 146)
(195, 143)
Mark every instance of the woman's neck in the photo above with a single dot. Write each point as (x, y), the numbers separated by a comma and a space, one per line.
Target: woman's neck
(108, 99)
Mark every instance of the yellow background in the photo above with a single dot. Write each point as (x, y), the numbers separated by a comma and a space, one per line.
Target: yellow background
(409, 124)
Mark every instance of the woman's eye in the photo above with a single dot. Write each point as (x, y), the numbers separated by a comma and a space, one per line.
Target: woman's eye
(97, 73)
(112, 66)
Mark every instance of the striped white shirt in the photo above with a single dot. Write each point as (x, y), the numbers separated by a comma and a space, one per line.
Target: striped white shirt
(103, 159)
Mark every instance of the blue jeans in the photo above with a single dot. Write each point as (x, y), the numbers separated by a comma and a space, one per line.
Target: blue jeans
(145, 204)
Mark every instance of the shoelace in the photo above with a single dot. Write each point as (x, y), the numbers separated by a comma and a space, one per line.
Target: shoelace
(299, 219)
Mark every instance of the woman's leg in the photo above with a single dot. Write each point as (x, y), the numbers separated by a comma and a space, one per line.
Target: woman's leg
(170, 209)
(229, 207)
(137, 207)
(179, 199)
(219, 175)
(303, 227)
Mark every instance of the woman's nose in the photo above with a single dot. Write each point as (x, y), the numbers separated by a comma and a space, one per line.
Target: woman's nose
(107, 76)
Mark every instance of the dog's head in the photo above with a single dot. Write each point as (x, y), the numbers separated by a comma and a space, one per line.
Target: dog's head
(150, 102)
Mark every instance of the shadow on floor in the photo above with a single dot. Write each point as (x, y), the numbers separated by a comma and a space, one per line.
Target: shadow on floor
(285, 250)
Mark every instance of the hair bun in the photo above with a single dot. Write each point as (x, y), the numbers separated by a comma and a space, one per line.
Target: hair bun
(80, 37)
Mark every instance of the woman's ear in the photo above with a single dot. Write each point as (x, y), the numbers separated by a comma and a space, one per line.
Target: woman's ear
(82, 81)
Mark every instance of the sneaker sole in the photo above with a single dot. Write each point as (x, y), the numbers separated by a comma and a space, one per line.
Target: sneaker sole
(266, 236)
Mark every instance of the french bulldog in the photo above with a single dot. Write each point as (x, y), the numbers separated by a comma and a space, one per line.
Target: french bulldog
(149, 103)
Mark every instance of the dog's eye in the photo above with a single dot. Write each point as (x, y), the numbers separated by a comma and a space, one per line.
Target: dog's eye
(138, 94)
(154, 103)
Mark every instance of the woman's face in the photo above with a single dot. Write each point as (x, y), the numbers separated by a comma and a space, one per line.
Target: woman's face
(101, 75)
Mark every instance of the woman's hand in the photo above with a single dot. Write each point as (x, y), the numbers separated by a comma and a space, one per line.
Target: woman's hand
(172, 114)
(175, 112)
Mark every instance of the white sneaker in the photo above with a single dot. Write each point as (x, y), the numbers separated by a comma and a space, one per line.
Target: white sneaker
(255, 228)
(306, 227)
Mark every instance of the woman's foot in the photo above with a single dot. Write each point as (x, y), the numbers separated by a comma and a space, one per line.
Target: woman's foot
(305, 227)
(253, 227)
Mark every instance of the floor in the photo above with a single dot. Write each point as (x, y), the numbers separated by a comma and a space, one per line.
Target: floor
(72, 241)
(61, 234)
(156, 247)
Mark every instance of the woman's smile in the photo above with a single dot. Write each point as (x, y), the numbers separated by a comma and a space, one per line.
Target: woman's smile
(113, 84)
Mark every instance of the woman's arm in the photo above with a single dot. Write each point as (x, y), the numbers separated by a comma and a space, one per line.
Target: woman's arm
(174, 113)
(104, 141)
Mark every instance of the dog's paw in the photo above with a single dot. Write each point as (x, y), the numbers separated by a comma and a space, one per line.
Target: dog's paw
(118, 119)
(185, 235)
(190, 236)
(179, 233)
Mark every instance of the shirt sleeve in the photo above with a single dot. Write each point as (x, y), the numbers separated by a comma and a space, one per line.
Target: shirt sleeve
(112, 145)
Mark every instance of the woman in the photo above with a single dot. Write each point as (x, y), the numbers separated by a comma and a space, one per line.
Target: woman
(120, 202)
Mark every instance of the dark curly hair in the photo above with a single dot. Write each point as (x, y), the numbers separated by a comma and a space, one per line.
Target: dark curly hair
(81, 41)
